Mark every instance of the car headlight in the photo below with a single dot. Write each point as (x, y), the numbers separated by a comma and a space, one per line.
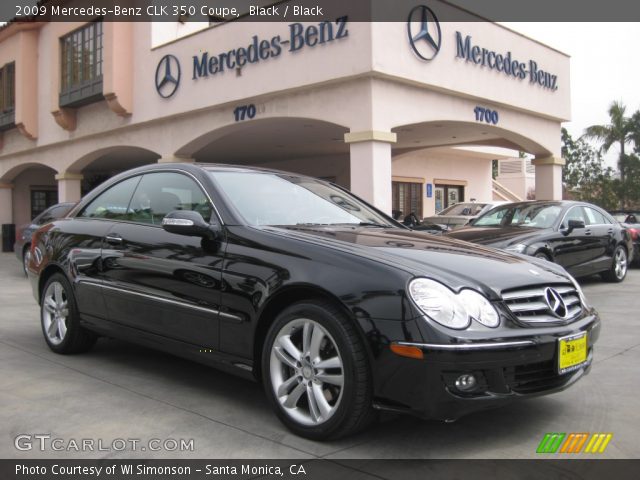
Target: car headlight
(479, 308)
(450, 309)
(517, 248)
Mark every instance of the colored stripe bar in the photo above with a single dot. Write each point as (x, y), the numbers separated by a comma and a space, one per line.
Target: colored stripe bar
(557, 441)
(568, 443)
(581, 442)
(543, 443)
(550, 443)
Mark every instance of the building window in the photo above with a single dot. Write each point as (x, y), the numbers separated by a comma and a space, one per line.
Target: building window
(81, 66)
(7, 96)
(41, 200)
(407, 198)
(447, 195)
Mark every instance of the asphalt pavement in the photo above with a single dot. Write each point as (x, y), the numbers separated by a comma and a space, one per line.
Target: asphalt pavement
(121, 391)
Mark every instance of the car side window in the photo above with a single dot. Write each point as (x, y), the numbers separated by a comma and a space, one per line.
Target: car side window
(575, 213)
(161, 193)
(45, 218)
(113, 203)
(53, 214)
(595, 217)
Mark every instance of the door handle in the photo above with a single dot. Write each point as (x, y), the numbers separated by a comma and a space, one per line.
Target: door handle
(587, 232)
(114, 239)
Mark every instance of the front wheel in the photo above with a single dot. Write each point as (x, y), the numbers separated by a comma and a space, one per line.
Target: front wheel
(60, 319)
(315, 372)
(619, 266)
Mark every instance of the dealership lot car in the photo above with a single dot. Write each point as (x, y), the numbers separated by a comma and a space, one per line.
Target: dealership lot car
(581, 237)
(23, 236)
(335, 307)
(460, 214)
(629, 220)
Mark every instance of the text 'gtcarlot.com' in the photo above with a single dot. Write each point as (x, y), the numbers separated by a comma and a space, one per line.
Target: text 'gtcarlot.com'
(44, 442)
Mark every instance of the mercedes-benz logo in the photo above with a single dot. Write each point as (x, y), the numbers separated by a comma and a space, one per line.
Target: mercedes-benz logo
(167, 76)
(555, 302)
(424, 32)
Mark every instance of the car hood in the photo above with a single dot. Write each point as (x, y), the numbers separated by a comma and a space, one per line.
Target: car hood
(457, 264)
(497, 237)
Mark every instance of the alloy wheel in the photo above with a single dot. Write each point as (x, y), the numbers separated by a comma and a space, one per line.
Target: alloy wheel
(307, 373)
(620, 263)
(55, 312)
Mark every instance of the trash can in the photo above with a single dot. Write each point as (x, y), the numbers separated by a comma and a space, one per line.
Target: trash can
(8, 236)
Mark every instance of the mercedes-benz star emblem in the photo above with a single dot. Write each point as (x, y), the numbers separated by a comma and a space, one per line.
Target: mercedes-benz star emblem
(167, 76)
(555, 302)
(424, 32)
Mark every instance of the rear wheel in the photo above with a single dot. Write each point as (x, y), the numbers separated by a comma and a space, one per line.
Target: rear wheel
(619, 266)
(60, 319)
(315, 372)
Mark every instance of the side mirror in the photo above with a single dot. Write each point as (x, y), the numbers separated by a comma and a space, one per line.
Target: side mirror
(573, 225)
(189, 223)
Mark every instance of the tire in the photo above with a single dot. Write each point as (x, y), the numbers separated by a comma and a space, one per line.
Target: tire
(315, 402)
(619, 266)
(60, 319)
(26, 254)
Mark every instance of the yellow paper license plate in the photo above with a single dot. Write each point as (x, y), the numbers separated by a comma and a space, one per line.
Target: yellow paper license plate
(572, 352)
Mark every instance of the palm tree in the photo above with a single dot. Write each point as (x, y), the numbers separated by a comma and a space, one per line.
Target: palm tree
(619, 131)
(635, 130)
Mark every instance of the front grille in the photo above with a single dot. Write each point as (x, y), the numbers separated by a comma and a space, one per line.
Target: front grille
(535, 377)
(532, 305)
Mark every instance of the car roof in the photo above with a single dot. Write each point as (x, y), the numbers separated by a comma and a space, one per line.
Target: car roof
(213, 167)
(545, 202)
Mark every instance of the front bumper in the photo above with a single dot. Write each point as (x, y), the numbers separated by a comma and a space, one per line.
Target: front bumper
(506, 370)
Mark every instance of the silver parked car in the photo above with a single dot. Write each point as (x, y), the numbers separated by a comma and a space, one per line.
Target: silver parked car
(460, 214)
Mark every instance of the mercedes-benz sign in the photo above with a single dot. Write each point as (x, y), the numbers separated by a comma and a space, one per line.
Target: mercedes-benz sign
(424, 32)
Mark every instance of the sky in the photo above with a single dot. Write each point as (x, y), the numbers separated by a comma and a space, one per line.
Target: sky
(604, 67)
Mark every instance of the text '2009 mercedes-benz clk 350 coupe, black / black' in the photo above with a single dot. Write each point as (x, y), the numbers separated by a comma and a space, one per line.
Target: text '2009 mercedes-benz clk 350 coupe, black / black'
(336, 308)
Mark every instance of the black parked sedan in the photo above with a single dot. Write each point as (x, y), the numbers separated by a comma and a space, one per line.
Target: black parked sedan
(24, 233)
(336, 308)
(631, 221)
(581, 237)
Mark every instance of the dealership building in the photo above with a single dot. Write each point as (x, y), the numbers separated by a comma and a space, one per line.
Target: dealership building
(387, 109)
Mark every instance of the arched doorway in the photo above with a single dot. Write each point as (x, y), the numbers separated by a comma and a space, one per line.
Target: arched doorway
(437, 164)
(30, 188)
(302, 145)
(90, 170)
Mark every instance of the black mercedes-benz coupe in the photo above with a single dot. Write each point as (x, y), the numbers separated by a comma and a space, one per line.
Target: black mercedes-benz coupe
(336, 308)
(580, 236)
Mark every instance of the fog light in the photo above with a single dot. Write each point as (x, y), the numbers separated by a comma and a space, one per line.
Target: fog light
(466, 382)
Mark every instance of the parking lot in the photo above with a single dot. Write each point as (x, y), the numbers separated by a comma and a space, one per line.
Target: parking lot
(120, 390)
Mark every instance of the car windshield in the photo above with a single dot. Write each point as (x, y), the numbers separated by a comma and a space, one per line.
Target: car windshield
(466, 209)
(266, 198)
(535, 216)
